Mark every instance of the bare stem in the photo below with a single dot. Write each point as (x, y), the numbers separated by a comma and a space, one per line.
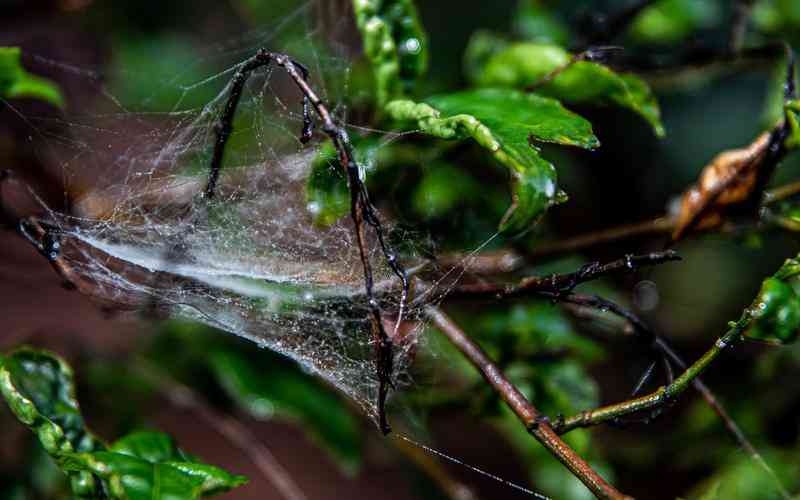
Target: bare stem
(663, 394)
(536, 423)
(564, 283)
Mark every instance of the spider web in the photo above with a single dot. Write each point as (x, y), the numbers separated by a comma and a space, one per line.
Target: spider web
(252, 262)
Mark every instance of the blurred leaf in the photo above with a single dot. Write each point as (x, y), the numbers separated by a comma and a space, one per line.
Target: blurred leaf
(536, 22)
(394, 43)
(670, 21)
(792, 110)
(779, 17)
(743, 478)
(157, 74)
(273, 388)
(441, 189)
(505, 122)
(532, 328)
(40, 391)
(327, 193)
(15, 82)
(522, 65)
(776, 309)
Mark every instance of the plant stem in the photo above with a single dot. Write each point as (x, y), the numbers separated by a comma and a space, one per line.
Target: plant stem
(535, 422)
(565, 283)
(661, 395)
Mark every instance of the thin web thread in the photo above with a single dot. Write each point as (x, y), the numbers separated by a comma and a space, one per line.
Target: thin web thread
(461, 463)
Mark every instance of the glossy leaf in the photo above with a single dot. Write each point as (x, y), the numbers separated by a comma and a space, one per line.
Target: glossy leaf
(394, 43)
(40, 391)
(507, 123)
(273, 388)
(522, 65)
(16, 82)
(776, 309)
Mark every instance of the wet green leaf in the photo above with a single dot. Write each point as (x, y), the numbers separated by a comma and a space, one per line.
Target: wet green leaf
(776, 309)
(394, 43)
(273, 388)
(40, 391)
(507, 123)
(522, 65)
(670, 21)
(15, 82)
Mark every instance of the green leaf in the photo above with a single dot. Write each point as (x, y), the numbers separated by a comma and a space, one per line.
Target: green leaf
(394, 43)
(270, 387)
(776, 309)
(792, 109)
(506, 122)
(534, 21)
(134, 478)
(15, 82)
(442, 187)
(40, 390)
(521, 65)
(670, 21)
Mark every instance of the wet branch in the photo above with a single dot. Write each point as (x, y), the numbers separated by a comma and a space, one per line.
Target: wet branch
(361, 209)
(535, 422)
(662, 395)
(560, 284)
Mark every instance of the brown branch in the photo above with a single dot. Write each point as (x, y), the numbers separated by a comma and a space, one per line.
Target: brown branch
(638, 326)
(560, 284)
(536, 423)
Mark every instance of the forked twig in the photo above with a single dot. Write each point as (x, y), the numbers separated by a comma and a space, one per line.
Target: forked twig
(361, 208)
(535, 422)
(639, 327)
(561, 284)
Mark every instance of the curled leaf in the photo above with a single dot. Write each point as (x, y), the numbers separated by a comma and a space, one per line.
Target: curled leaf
(15, 82)
(394, 42)
(508, 123)
(730, 180)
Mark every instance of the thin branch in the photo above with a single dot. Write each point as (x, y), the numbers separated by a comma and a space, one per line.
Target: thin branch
(361, 209)
(663, 394)
(560, 284)
(232, 429)
(536, 423)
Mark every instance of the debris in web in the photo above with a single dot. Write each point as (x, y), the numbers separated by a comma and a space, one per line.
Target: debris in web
(138, 230)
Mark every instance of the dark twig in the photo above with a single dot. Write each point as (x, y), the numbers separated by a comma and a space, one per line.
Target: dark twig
(561, 284)
(535, 422)
(361, 208)
(593, 54)
(640, 328)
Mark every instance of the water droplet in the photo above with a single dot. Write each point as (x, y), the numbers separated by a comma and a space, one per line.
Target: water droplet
(412, 46)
